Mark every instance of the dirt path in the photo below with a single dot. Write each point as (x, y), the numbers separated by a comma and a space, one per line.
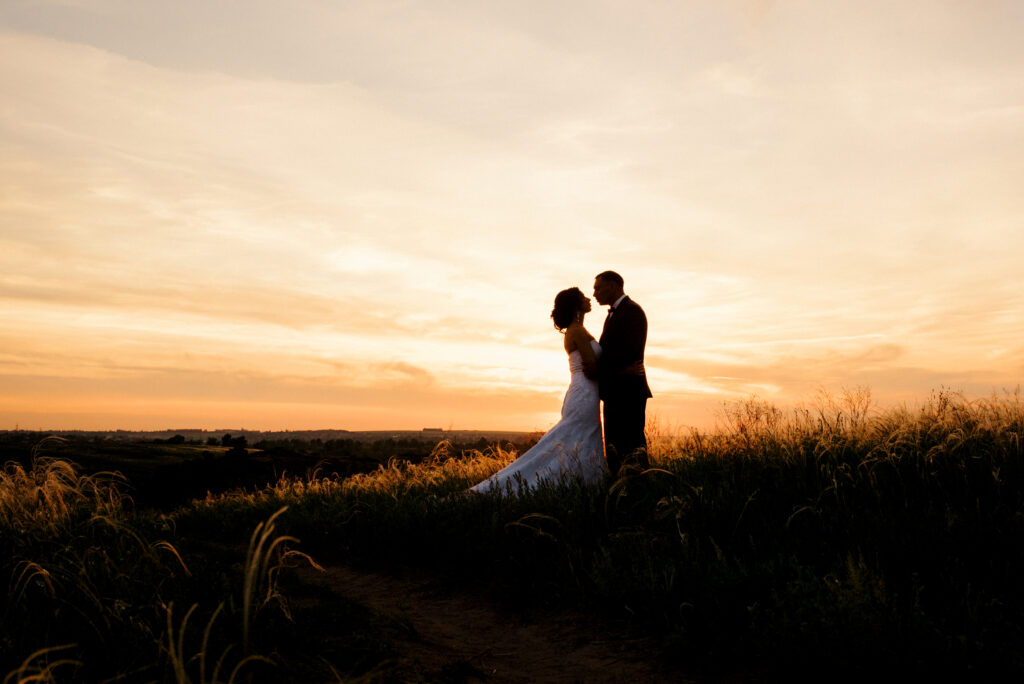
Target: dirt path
(465, 636)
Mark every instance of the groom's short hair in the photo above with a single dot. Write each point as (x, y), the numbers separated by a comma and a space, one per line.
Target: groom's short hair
(612, 276)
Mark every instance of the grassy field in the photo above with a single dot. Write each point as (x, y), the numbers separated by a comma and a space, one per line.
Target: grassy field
(840, 539)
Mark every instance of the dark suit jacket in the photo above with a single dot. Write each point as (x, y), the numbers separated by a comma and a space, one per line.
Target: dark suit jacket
(622, 344)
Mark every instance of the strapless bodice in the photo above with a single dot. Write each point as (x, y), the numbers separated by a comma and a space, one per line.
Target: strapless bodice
(576, 358)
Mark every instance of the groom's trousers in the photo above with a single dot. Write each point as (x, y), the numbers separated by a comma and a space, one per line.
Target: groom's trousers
(624, 439)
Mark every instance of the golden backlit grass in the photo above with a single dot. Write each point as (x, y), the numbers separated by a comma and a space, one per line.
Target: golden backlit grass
(819, 534)
(445, 472)
(45, 495)
(85, 572)
(837, 527)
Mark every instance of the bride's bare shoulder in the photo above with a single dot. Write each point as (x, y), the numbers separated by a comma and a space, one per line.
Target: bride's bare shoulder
(570, 337)
(576, 337)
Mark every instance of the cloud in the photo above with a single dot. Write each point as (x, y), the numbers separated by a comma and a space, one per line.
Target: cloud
(796, 192)
(882, 368)
(757, 11)
(159, 398)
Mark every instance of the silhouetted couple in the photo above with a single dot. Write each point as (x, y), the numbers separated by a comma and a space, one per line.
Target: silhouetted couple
(610, 370)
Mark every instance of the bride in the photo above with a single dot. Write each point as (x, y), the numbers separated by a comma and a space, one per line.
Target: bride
(573, 446)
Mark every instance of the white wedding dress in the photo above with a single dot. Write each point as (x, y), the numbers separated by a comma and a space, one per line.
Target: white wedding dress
(572, 447)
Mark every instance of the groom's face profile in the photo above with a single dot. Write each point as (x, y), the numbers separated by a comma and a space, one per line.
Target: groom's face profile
(604, 291)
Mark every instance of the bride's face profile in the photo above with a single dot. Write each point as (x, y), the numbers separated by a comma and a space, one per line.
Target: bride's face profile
(584, 307)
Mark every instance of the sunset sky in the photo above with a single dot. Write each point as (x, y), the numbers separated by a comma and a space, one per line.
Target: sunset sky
(315, 214)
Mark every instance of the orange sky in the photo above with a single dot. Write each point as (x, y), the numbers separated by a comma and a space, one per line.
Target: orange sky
(356, 215)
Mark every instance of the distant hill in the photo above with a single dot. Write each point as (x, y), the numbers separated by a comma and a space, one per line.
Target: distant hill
(252, 436)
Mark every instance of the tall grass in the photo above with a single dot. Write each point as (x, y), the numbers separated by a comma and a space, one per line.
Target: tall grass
(836, 533)
(38, 668)
(267, 555)
(835, 537)
(90, 586)
(44, 497)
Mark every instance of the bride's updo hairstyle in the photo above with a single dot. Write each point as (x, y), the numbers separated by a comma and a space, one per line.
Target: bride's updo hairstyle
(568, 303)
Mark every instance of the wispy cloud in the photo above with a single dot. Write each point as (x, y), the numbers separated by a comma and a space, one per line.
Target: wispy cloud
(797, 193)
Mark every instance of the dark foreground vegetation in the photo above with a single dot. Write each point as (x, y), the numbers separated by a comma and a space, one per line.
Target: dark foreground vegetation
(837, 542)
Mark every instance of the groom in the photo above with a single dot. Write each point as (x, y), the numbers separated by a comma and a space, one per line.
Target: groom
(622, 382)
